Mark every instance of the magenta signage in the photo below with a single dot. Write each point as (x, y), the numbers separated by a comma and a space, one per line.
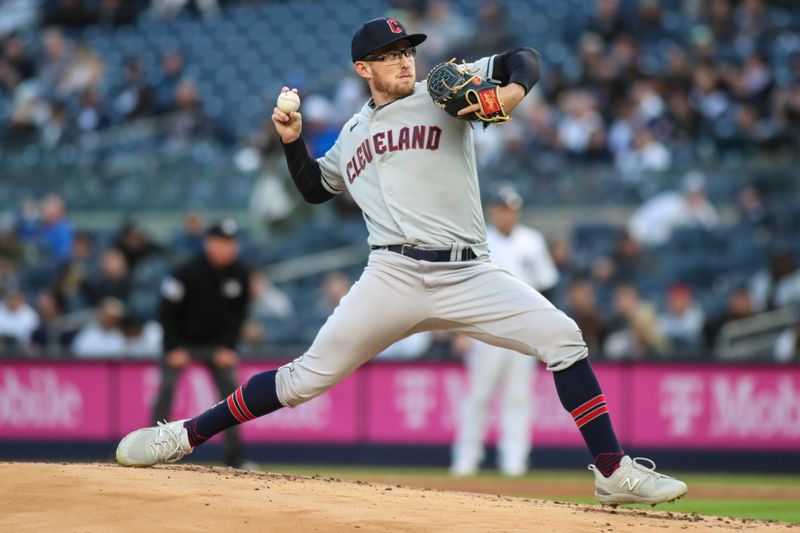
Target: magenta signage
(69, 401)
(716, 407)
(655, 405)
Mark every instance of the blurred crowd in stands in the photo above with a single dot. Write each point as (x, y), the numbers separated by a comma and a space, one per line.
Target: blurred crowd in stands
(647, 88)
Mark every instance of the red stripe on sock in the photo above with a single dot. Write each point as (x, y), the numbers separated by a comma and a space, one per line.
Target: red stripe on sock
(588, 405)
(240, 401)
(591, 416)
(589, 413)
(235, 410)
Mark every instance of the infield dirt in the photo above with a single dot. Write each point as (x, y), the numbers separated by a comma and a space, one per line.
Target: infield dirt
(73, 497)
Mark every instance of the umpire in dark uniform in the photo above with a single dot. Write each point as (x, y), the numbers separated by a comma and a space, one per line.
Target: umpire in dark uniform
(203, 306)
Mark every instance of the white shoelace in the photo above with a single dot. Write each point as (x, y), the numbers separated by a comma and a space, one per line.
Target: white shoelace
(167, 445)
(651, 470)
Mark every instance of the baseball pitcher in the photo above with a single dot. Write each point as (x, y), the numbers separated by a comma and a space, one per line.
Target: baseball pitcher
(407, 158)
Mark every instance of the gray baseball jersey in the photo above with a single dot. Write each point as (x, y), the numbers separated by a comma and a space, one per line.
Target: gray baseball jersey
(411, 169)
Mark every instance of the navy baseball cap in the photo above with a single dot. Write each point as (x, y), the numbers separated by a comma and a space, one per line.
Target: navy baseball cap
(377, 33)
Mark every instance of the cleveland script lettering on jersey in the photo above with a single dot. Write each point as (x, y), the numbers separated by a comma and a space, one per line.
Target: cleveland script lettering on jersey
(406, 138)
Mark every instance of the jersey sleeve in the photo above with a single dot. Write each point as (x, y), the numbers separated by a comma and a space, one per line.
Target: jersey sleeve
(483, 67)
(332, 178)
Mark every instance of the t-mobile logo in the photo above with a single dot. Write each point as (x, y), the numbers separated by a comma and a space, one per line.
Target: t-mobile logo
(415, 397)
(681, 402)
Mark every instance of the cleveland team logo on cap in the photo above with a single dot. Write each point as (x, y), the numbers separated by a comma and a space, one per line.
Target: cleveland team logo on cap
(395, 25)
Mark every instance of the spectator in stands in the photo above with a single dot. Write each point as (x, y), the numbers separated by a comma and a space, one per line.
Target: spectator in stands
(580, 131)
(102, 337)
(705, 96)
(113, 280)
(605, 279)
(739, 305)
(134, 97)
(583, 309)
(568, 270)
(11, 252)
(81, 267)
(787, 345)
(334, 286)
(16, 66)
(682, 321)
(752, 20)
(58, 53)
(54, 234)
(83, 74)
(787, 111)
(135, 244)
(18, 320)
(493, 31)
(189, 241)
(647, 154)
(778, 285)
(193, 122)
(320, 133)
(171, 75)
(652, 223)
(446, 29)
(606, 20)
(753, 213)
(266, 300)
(52, 336)
(649, 28)
(56, 129)
(628, 257)
(637, 334)
(90, 114)
(142, 337)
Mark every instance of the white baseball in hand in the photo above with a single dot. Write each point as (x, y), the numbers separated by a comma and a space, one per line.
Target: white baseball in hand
(288, 101)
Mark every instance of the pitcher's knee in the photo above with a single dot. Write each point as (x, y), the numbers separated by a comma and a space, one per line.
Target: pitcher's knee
(296, 383)
(565, 345)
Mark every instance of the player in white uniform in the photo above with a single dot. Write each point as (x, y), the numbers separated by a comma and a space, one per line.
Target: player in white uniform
(411, 169)
(522, 252)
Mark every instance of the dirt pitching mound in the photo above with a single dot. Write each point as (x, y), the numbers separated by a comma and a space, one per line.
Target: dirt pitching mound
(104, 497)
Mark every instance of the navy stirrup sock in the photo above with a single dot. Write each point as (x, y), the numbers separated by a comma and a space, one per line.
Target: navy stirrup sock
(257, 398)
(580, 394)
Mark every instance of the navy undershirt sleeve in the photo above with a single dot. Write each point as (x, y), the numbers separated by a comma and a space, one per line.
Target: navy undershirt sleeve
(305, 171)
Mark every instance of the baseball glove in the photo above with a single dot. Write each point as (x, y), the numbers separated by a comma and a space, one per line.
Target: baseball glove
(454, 87)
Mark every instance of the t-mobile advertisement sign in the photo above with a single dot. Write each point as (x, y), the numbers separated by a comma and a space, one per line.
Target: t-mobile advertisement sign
(657, 406)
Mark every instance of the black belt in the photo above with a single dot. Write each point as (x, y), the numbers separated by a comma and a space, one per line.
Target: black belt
(422, 254)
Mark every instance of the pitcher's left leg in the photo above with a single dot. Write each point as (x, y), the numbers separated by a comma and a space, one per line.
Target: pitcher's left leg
(491, 305)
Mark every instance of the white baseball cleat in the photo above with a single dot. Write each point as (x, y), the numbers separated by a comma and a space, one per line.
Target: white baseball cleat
(165, 443)
(634, 482)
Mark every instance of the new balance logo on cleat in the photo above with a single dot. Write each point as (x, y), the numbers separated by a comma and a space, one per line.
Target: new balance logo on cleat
(630, 483)
(636, 482)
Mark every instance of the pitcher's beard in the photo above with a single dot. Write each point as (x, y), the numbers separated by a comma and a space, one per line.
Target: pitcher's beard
(394, 88)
